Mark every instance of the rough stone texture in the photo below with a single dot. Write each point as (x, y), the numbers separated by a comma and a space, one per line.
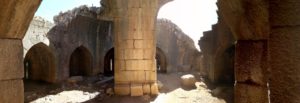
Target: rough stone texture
(248, 20)
(122, 89)
(176, 47)
(36, 33)
(250, 71)
(188, 80)
(245, 93)
(218, 48)
(11, 59)
(251, 61)
(284, 51)
(15, 17)
(136, 90)
(284, 12)
(134, 22)
(146, 89)
(12, 91)
(93, 35)
(154, 89)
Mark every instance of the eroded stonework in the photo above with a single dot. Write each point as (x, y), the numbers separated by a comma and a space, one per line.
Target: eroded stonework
(178, 48)
(218, 48)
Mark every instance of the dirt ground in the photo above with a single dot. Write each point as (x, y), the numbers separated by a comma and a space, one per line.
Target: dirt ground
(91, 92)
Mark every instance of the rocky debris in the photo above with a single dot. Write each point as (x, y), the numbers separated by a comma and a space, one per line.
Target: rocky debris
(66, 17)
(188, 80)
(75, 79)
(110, 92)
(160, 85)
(146, 97)
(200, 85)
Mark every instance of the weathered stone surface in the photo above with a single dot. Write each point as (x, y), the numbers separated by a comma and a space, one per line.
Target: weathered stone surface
(11, 59)
(12, 91)
(146, 88)
(217, 47)
(248, 20)
(15, 17)
(188, 80)
(175, 47)
(122, 89)
(36, 33)
(284, 12)
(284, 64)
(160, 85)
(251, 61)
(67, 36)
(131, 39)
(245, 93)
(154, 89)
(136, 90)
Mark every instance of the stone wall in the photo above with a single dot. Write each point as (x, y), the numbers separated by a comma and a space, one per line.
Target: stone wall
(36, 33)
(80, 28)
(77, 28)
(179, 49)
(217, 47)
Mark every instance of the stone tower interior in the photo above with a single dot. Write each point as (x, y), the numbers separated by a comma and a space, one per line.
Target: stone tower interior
(121, 53)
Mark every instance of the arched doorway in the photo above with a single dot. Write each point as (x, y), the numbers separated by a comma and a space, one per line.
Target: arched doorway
(109, 63)
(161, 63)
(39, 64)
(80, 62)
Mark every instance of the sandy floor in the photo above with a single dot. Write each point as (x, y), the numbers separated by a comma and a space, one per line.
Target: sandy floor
(172, 92)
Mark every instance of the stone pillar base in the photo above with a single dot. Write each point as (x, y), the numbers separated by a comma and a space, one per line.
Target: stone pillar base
(136, 89)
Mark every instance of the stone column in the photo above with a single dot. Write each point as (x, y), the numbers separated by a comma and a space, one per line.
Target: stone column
(285, 51)
(134, 39)
(250, 69)
(15, 17)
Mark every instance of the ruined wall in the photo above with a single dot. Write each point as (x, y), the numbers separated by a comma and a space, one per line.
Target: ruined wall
(179, 49)
(80, 28)
(217, 47)
(36, 33)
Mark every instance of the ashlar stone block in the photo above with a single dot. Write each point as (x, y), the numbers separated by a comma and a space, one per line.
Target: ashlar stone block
(136, 90)
(11, 59)
(122, 89)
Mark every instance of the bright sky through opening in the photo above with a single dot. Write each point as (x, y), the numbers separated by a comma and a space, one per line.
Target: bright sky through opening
(192, 16)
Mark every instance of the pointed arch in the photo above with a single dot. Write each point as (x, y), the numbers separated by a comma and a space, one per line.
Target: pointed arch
(161, 61)
(39, 64)
(80, 62)
(109, 62)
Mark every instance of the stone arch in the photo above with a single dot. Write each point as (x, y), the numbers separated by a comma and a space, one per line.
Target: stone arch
(80, 63)
(39, 64)
(161, 61)
(109, 62)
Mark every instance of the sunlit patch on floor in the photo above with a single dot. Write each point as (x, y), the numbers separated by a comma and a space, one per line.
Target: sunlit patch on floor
(73, 96)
